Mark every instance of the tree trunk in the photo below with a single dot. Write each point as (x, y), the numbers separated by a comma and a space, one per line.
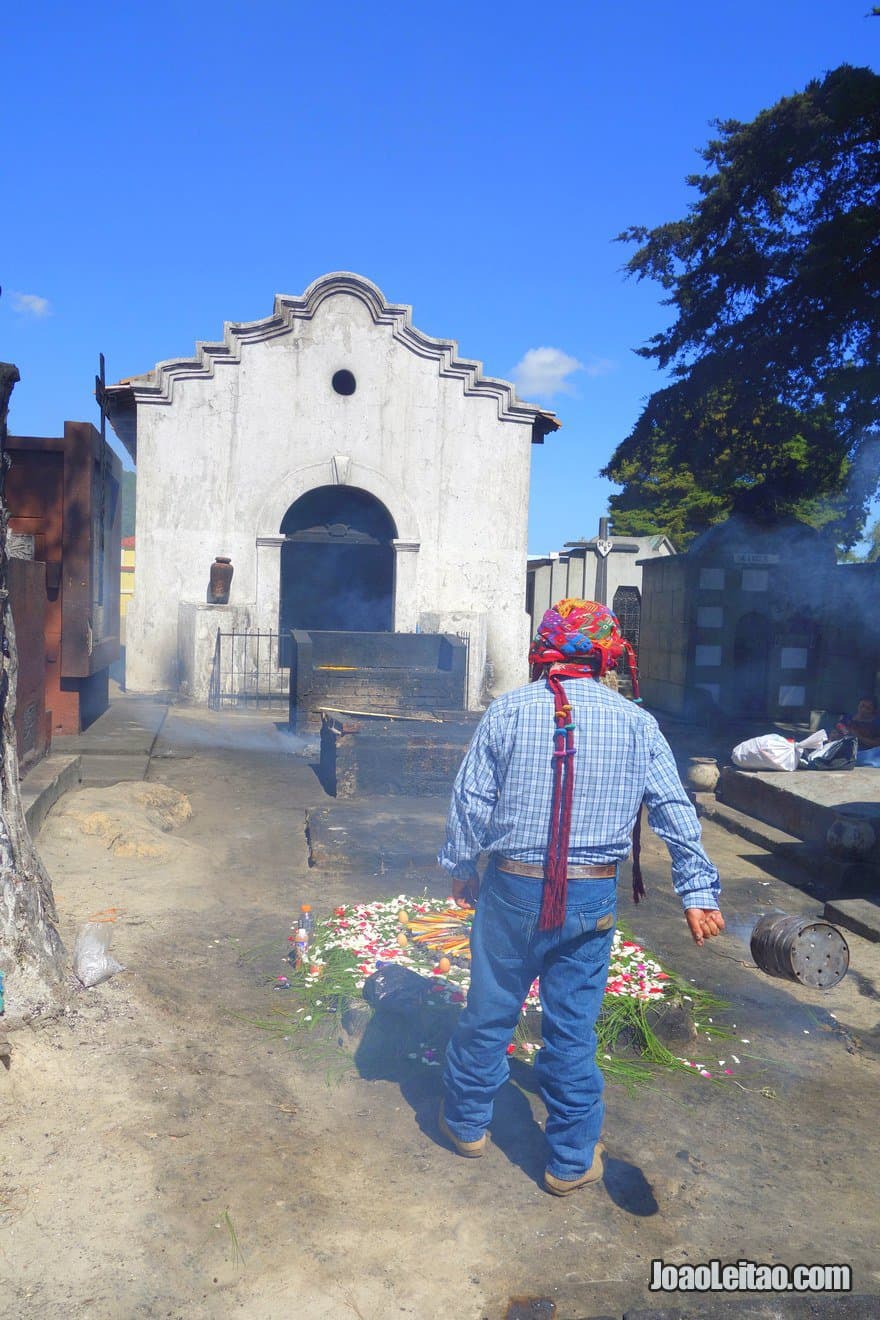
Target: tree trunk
(32, 957)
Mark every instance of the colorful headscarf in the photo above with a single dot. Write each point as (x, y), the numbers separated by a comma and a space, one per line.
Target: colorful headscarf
(580, 631)
(576, 639)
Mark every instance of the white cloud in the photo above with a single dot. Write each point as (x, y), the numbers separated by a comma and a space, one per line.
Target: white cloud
(31, 304)
(545, 371)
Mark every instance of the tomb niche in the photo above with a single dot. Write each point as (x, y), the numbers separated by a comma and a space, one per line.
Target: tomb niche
(337, 564)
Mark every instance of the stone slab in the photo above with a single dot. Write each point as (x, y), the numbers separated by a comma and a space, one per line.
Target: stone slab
(860, 915)
(397, 837)
(803, 803)
(837, 876)
(118, 745)
(756, 831)
(99, 771)
(49, 780)
(129, 725)
(374, 671)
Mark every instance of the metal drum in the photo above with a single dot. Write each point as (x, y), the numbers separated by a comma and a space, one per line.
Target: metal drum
(800, 949)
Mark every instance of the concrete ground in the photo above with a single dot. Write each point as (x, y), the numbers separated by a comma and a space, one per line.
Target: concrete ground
(165, 1156)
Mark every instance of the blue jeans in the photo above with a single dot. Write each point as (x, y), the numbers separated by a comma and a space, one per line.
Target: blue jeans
(507, 952)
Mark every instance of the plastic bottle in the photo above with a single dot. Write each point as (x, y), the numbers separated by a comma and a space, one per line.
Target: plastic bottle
(301, 947)
(306, 920)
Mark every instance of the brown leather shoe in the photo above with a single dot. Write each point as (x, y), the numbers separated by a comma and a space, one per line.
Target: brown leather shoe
(471, 1150)
(595, 1173)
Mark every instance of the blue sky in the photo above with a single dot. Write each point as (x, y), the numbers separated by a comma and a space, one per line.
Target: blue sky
(169, 166)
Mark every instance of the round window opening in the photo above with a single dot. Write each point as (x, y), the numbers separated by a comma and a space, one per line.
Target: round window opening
(344, 382)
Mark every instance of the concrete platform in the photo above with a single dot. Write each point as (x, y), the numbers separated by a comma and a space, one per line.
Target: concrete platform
(118, 746)
(803, 803)
(829, 877)
(789, 814)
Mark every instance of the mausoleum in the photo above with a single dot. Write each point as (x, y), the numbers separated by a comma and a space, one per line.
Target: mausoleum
(358, 473)
(758, 622)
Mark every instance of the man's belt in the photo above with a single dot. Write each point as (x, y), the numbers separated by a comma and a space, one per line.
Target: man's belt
(602, 872)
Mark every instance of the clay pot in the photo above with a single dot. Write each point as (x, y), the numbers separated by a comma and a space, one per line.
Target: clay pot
(220, 580)
(703, 774)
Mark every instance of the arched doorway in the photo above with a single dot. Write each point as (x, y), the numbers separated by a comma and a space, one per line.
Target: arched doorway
(337, 564)
(749, 679)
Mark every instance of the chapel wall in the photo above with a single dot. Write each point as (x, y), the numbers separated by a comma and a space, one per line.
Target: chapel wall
(220, 465)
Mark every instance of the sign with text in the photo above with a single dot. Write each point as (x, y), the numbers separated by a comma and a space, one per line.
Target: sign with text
(746, 557)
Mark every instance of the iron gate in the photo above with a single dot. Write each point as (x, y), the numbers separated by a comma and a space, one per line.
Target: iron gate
(628, 608)
(246, 672)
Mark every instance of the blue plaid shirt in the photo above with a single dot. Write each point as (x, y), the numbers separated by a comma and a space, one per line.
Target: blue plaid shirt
(503, 791)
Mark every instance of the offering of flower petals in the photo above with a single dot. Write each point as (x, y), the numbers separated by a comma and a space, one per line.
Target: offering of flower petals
(412, 931)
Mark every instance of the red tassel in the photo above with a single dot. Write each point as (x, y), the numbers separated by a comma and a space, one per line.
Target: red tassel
(638, 883)
(555, 896)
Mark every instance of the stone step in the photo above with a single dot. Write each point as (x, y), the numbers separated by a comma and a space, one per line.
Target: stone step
(836, 874)
(803, 803)
(45, 783)
(749, 827)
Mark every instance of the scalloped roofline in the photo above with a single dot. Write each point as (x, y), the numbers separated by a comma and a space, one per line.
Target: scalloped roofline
(157, 386)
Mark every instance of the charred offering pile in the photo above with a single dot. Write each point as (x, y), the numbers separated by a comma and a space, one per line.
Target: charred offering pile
(375, 673)
(390, 706)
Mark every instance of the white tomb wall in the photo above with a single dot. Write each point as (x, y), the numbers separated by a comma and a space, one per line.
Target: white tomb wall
(220, 464)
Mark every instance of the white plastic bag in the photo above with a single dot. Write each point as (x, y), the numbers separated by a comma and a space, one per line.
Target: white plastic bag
(92, 963)
(773, 752)
(769, 752)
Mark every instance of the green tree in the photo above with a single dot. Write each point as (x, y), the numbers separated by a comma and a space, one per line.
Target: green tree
(774, 350)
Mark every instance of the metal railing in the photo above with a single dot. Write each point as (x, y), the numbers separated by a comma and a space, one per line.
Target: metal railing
(466, 638)
(246, 672)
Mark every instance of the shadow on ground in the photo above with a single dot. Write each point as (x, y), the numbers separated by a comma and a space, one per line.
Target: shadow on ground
(391, 1049)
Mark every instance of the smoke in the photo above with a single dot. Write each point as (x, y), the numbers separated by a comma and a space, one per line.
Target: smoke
(863, 485)
(188, 730)
(780, 626)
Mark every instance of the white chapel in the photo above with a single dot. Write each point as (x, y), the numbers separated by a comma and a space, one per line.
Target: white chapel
(357, 472)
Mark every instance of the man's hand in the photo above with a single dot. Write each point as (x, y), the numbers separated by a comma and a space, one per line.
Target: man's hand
(465, 893)
(704, 923)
